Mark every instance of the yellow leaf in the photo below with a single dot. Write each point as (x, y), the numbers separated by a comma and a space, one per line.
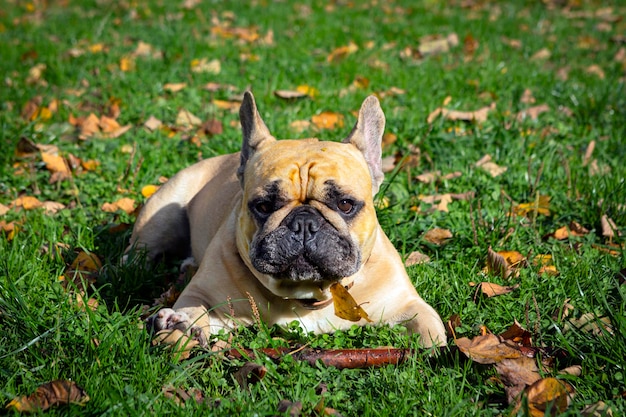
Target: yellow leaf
(541, 205)
(86, 262)
(327, 120)
(9, 229)
(174, 87)
(96, 47)
(547, 393)
(231, 105)
(148, 190)
(126, 204)
(308, 90)
(205, 66)
(55, 163)
(27, 202)
(341, 52)
(127, 63)
(50, 394)
(345, 306)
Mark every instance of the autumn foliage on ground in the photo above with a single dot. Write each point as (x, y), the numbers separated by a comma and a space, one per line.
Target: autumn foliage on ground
(504, 193)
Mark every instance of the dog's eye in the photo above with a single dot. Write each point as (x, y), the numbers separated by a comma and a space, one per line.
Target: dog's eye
(264, 207)
(346, 205)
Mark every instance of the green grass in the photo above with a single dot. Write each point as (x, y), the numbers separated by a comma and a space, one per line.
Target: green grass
(46, 336)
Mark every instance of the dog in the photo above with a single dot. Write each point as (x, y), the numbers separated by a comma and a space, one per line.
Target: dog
(276, 225)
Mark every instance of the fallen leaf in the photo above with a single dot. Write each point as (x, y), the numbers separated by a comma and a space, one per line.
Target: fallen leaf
(541, 55)
(479, 115)
(290, 94)
(527, 97)
(299, 126)
(127, 63)
(489, 289)
(415, 258)
(89, 126)
(174, 87)
(345, 305)
(486, 164)
(429, 177)
(541, 205)
(4, 209)
(504, 263)
(437, 236)
(148, 190)
(565, 232)
(595, 70)
(57, 166)
(26, 202)
(609, 229)
(308, 90)
(187, 119)
(517, 374)
(545, 395)
(532, 112)
(250, 373)
(48, 395)
(51, 207)
(152, 123)
(182, 396)
(487, 349)
(342, 52)
(203, 65)
(232, 105)
(590, 323)
(125, 204)
(328, 120)
(516, 333)
(9, 229)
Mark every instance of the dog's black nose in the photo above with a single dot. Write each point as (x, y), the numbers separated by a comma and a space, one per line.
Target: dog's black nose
(305, 223)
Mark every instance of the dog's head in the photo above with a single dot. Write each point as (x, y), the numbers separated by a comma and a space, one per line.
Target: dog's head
(307, 217)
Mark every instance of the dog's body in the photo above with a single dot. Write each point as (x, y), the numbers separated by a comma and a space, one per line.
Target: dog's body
(278, 223)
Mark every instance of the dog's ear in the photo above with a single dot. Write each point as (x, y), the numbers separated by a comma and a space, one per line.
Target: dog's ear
(254, 131)
(367, 136)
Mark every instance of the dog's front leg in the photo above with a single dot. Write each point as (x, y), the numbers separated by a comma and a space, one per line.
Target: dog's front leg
(193, 321)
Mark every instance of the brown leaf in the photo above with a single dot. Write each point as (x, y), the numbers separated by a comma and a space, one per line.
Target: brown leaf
(232, 105)
(4, 209)
(249, 373)
(489, 289)
(9, 229)
(565, 232)
(504, 263)
(437, 236)
(300, 126)
(490, 167)
(26, 202)
(57, 165)
(541, 55)
(212, 127)
(545, 394)
(517, 374)
(126, 204)
(290, 94)
(50, 394)
(532, 112)
(609, 229)
(595, 70)
(289, 408)
(429, 177)
(51, 207)
(416, 258)
(516, 333)
(340, 53)
(328, 120)
(174, 87)
(152, 123)
(487, 349)
(88, 127)
(345, 305)
(203, 65)
(479, 115)
(181, 396)
(527, 97)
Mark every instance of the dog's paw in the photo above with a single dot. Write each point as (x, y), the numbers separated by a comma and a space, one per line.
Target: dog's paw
(169, 319)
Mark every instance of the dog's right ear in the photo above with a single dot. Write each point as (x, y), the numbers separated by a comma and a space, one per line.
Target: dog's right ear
(255, 132)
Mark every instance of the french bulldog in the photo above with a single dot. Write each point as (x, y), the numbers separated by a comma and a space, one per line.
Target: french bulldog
(273, 226)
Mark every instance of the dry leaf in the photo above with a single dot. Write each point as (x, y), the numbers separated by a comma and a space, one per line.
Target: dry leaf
(609, 229)
(127, 63)
(9, 229)
(51, 207)
(542, 54)
(517, 374)
(250, 373)
(152, 123)
(328, 120)
(565, 232)
(541, 205)
(487, 349)
(174, 87)
(532, 112)
(504, 263)
(126, 204)
(187, 119)
(308, 90)
(415, 258)
(590, 323)
(57, 166)
(437, 236)
(595, 70)
(299, 126)
(50, 394)
(345, 306)
(26, 202)
(545, 394)
(89, 126)
(527, 97)
(429, 177)
(205, 66)
(290, 94)
(232, 105)
(479, 115)
(490, 167)
(148, 190)
(181, 396)
(341, 52)
(4, 209)
(489, 289)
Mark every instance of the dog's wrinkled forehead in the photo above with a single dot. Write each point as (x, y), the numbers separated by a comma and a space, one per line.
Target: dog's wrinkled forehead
(306, 169)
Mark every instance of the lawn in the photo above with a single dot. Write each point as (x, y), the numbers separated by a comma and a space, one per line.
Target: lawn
(506, 134)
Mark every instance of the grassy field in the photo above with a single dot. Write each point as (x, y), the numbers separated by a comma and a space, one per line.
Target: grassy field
(543, 83)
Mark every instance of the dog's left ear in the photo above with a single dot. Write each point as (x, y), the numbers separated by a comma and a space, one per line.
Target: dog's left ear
(254, 130)
(367, 136)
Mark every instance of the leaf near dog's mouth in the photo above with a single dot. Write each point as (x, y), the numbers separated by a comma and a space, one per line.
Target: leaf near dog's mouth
(345, 305)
